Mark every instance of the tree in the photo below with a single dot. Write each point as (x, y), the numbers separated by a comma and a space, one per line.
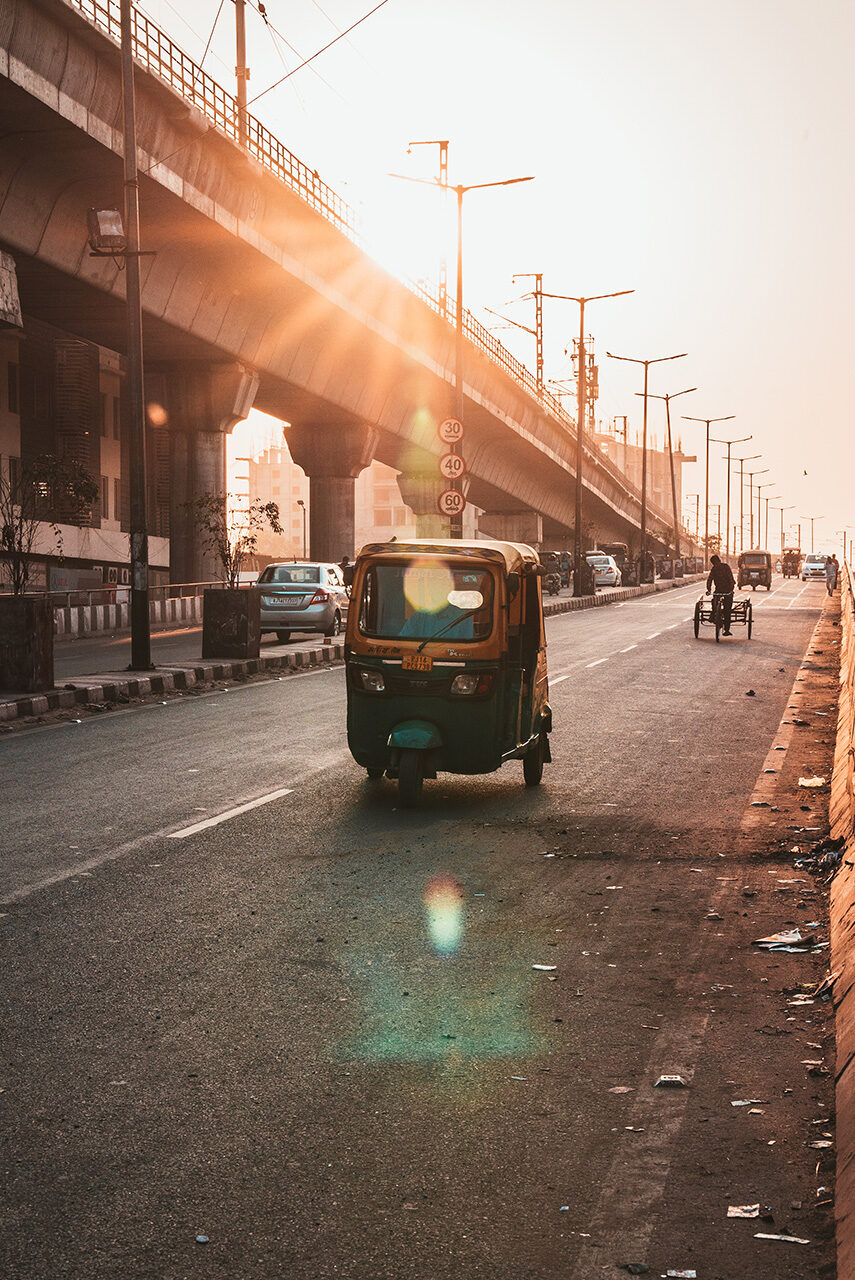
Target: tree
(34, 497)
(233, 537)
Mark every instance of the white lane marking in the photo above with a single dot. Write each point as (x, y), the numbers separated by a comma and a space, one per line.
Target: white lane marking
(229, 813)
(672, 626)
(654, 635)
(599, 661)
(797, 596)
(558, 680)
(629, 647)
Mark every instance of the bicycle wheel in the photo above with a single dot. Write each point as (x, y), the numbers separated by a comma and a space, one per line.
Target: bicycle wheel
(716, 618)
(697, 618)
(749, 619)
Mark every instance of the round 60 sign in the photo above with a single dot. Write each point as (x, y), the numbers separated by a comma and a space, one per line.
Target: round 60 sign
(450, 431)
(452, 466)
(451, 503)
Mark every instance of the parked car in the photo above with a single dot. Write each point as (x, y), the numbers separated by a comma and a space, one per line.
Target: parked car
(606, 572)
(813, 566)
(297, 595)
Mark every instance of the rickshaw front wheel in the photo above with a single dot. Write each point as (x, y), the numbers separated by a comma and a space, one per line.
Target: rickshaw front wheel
(533, 762)
(410, 777)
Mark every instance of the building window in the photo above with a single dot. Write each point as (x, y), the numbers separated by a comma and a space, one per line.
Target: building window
(105, 498)
(102, 414)
(117, 417)
(117, 498)
(382, 516)
(12, 388)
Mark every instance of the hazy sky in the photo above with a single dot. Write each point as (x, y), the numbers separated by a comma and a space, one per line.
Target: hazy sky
(700, 153)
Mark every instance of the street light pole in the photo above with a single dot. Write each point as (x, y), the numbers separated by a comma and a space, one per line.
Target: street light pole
(751, 475)
(726, 418)
(752, 457)
(812, 519)
(442, 143)
(647, 364)
(668, 399)
(460, 190)
(770, 484)
(772, 497)
(140, 623)
(791, 507)
(697, 498)
(581, 412)
(241, 69)
(729, 443)
(302, 505)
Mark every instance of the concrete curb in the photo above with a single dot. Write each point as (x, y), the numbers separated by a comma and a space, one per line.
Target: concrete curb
(842, 932)
(118, 688)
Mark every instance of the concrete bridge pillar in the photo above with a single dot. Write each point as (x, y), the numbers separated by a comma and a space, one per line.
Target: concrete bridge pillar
(513, 526)
(420, 492)
(332, 458)
(199, 407)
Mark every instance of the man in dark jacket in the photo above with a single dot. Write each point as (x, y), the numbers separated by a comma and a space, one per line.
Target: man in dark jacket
(721, 578)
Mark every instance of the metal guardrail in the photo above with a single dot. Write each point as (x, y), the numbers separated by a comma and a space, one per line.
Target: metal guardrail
(117, 593)
(155, 51)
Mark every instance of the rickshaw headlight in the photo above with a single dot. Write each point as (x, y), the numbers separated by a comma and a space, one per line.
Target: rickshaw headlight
(373, 681)
(470, 682)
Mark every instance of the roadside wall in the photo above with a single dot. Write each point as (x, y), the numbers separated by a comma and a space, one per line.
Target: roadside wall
(842, 819)
(90, 619)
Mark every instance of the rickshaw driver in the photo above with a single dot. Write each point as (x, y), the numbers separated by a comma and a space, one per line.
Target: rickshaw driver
(721, 576)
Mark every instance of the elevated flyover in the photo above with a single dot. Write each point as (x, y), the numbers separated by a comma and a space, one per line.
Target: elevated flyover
(260, 293)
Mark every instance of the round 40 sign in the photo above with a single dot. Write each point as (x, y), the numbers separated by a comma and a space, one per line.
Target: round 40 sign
(452, 466)
(451, 503)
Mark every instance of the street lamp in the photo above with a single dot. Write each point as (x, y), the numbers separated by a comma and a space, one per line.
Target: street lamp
(752, 457)
(791, 507)
(581, 411)
(302, 505)
(442, 143)
(697, 498)
(668, 399)
(751, 475)
(813, 520)
(716, 440)
(769, 484)
(647, 364)
(460, 191)
(726, 418)
(773, 497)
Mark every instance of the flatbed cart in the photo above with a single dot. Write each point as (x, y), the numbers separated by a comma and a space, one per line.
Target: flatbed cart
(710, 610)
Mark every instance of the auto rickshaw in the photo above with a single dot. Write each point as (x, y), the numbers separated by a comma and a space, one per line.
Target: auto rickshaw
(754, 569)
(446, 661)
(790, 562)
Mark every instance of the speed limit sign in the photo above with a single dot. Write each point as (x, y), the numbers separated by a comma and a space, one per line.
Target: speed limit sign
(451, 503)
(452, 466)
(450, 431)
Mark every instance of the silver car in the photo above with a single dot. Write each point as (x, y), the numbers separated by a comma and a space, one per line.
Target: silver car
(813, 566)
(302, 596)
(606, 572)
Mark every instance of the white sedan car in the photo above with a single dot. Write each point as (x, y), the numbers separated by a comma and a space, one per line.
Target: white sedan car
(606, 572)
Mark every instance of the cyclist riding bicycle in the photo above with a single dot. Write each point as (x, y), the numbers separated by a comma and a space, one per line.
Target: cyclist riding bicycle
(721, 576)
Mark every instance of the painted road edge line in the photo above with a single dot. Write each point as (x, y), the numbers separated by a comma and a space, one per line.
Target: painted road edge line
(206, 823)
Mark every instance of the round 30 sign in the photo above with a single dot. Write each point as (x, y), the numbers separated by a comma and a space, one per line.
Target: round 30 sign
(450, 431)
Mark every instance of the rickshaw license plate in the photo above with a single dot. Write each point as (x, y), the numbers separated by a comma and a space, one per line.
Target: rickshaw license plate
(417, 662)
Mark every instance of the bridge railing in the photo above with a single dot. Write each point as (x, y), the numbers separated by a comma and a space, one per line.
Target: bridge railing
(155, 51)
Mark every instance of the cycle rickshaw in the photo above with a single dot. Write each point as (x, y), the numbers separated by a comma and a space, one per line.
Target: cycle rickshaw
(710, 610)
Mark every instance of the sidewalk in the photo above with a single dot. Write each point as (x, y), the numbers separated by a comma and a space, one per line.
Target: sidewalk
(121, 687)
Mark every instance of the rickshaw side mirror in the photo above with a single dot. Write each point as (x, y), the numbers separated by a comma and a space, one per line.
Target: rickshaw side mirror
(513, 585)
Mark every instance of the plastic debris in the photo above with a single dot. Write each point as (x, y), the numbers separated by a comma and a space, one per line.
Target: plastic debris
(763, 1235)
(821, 1144)
(749, 693)
(621, 1088)
(812, 782)
(681, 1275)
(545, 968)
(670, 1082)
(787, 940)
(749, 1102)
(743, 1211)
(201, 1239)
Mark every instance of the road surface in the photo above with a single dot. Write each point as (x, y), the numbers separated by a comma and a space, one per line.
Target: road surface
(270, 1040)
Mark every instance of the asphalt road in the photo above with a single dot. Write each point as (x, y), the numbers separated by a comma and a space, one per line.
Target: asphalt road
(283, 1033)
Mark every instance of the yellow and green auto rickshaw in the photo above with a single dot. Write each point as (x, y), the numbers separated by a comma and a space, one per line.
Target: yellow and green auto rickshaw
(754, 569)
(446, 661)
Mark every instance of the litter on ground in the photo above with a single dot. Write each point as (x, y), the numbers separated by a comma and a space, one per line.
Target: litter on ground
(743, 1211)
(670, 1082)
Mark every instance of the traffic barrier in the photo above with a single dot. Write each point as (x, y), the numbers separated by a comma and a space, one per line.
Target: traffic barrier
(842, 820)
(95, 619)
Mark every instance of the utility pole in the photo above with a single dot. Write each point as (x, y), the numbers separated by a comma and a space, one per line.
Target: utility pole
(668, 400)
(241, 69)
(442, 181)
(647, 364)
(140, 624)
(751, 475)
(741, 440)
(726, 418)
(751, 458)
(791, 507)
(537, 331)
(772, 498)
(770, 484)
(697, 498)
(581, 410)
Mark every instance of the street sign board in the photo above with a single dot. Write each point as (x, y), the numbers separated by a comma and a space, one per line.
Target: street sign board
(450, 431)
(452, 466)
(451, 503)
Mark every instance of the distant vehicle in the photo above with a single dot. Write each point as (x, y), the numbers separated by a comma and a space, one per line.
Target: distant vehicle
(754, 569)
(790, 564)
(813, 566)
(606, 572)
(302, 596)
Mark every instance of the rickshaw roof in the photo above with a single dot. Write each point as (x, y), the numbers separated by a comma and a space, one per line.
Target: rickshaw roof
(513, 554)
(755, 551)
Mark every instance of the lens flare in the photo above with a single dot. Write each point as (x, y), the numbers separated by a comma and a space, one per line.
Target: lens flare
(427, 586)
(443, 899)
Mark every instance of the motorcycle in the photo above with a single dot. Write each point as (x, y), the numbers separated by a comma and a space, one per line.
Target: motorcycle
(553, 583)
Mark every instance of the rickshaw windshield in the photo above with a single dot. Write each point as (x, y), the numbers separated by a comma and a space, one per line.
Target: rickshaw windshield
(758, 558)
(419, 599)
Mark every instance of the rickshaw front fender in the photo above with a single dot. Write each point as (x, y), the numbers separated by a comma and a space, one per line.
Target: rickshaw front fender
(415, 735)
